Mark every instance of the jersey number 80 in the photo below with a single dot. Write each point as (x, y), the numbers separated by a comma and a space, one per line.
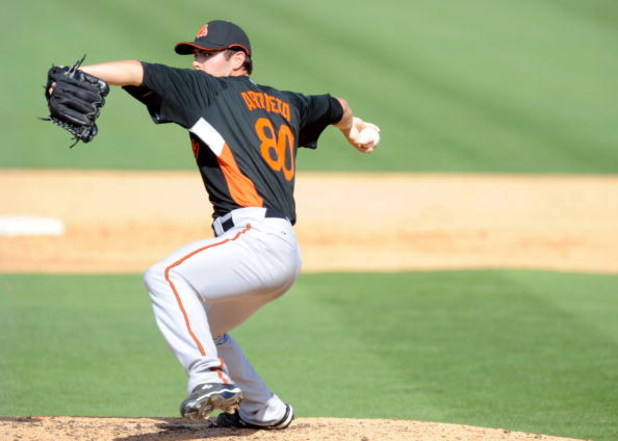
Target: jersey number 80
(277, 146)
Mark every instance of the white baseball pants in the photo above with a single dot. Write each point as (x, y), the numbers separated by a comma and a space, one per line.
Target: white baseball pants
(207, 288)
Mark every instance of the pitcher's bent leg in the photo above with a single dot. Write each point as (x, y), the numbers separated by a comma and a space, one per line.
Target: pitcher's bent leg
(209, 287)
(182, 320)
(259, 405)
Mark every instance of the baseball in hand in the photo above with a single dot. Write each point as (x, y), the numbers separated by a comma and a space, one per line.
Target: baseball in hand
(369, 136)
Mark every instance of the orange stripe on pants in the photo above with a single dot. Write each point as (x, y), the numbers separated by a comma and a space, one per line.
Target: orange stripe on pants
(179, 300)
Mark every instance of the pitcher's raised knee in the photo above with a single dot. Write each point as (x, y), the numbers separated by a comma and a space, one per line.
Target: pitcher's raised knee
(154, 278)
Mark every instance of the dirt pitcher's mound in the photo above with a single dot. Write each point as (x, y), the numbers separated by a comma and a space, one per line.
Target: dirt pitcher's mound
(305, 429)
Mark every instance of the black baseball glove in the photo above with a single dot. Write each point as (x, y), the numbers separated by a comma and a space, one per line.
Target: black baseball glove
(74, 99)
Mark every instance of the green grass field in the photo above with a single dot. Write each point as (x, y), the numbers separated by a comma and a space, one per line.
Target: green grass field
(475, 86)
(529, 351)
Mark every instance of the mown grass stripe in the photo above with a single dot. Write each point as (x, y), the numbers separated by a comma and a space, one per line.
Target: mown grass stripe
(521, 350)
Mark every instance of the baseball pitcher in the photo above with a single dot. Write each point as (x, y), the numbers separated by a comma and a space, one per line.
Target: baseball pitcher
(244, 137)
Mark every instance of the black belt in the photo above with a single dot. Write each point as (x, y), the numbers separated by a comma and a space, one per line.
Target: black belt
(228, 224)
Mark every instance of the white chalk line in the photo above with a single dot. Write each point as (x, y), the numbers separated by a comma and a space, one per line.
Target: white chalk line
(11, 225)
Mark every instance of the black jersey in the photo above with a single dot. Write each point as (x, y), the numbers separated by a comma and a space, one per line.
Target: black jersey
(244, 136)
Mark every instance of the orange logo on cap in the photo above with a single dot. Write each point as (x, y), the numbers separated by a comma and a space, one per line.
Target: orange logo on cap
(202, 32)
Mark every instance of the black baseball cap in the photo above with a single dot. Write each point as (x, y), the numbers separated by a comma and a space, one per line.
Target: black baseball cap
(216, 35)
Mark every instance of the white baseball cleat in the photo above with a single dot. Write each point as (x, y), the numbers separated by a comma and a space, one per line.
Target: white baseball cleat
(234, 420)
(209, 397)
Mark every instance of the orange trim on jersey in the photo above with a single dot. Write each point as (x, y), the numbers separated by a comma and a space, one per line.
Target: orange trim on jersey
(242, 189)
(179, 300)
